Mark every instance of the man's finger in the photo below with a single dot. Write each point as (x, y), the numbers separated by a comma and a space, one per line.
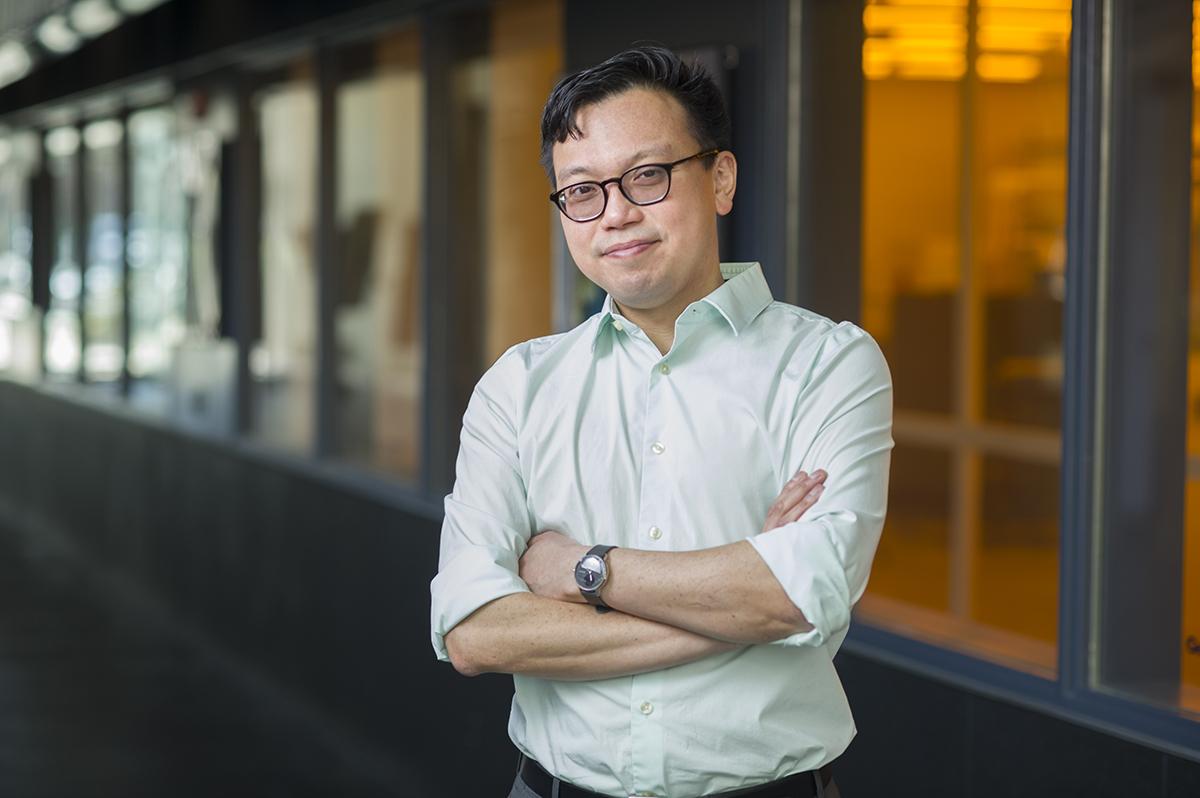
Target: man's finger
(802, 506)
(797, 487)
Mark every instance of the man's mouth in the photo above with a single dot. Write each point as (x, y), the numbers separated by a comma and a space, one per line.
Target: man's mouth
(628, 248)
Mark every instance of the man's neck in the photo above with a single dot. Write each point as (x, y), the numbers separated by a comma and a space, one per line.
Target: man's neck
(659, 323)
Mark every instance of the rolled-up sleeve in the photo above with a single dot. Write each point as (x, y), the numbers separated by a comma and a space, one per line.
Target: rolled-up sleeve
(487, 525)
(842, 424)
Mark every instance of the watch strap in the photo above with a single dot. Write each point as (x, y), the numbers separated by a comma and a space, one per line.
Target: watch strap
(593, 596)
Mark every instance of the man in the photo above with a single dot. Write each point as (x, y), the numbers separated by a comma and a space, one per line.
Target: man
(660, 643)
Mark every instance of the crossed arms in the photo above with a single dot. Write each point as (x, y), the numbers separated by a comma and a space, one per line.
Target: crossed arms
(671, 607)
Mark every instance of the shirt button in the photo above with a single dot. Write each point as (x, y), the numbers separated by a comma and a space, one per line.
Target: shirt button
(618, 326)
(647, 707)
(664, 368)
(658, 448)
(655, 533)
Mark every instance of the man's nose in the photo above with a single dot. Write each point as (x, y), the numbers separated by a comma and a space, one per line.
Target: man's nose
(619, 211)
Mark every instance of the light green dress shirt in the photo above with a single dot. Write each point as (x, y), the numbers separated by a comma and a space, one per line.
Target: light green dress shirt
(596, 434)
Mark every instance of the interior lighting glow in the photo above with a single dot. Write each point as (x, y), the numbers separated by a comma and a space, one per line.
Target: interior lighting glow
(1020, 40)
(1008, 68)
(94, 17)
(62, 142)
(875, 16)
(1043, 5)
(138, 6)
(1039, 21)
(15, 62)
(56, 34)
(103, 133)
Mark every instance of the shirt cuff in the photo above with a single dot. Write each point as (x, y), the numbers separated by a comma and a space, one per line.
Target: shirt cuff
(476, 576)
(804, 559)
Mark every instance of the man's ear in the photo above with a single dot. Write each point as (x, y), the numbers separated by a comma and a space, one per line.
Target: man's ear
(724, 172)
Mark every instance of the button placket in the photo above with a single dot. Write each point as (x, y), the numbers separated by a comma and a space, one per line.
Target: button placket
(646, 697)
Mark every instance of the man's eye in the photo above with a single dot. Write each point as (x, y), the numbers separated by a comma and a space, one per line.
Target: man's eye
(581, 192)
(649, 174)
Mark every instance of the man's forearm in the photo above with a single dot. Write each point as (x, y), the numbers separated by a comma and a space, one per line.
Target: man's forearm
(527, 634)
(726, 592)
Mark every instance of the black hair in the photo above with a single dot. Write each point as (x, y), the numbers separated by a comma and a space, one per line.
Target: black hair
(647, 66)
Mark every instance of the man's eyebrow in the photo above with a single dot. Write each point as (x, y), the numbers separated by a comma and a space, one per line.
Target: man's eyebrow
(660, 150)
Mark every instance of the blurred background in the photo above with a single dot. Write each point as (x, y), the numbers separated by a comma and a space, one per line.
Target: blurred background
(255, 255)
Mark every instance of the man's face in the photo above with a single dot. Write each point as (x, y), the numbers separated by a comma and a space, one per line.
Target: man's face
(650, 256)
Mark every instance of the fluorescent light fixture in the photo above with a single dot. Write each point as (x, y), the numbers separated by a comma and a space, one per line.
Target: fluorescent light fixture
(62, 141)
(56, 35)
(94, 17)
(102, 134)
(15, 62)
(132, 7)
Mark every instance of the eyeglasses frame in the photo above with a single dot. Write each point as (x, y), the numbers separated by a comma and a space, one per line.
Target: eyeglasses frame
(603, 184)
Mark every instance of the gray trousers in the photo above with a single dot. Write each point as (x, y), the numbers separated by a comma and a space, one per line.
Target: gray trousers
(519, 790)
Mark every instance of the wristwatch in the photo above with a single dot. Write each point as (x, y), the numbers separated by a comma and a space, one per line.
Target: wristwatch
(591, 572)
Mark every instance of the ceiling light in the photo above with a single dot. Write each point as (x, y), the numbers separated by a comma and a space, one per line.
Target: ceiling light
(94, 17)
(56, 35)
(14, 62)
(138, 6)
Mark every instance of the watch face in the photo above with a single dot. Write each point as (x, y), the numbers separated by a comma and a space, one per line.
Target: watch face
(589, 573)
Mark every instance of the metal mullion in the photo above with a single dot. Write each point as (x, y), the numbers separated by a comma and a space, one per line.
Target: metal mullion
(81, 241)
(1084, 331)
(246, 296)
(327, 265)
(966, 492)
(126, 209)
(436, 286)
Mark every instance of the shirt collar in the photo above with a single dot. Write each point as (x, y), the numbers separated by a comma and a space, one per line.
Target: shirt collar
(739, 300)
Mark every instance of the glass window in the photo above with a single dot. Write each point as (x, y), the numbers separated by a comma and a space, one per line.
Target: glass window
(283, 360)
(63, 341)
(103, 277)
(18, 321)
(377, 325)
(964, 204)
(1190, 634)
(524, 61)
(157, 243)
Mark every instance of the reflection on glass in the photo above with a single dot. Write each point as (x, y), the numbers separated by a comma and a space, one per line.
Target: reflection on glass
(62, 333)
(18, 158)
(963, 212)
(283, 361)
(103, 352)
(1189, 638)
(157, 243)
(911, 563)
(379, 216)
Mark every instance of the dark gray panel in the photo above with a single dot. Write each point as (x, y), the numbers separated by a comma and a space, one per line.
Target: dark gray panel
(1016, 753)
(911, 734)
(1183, 778)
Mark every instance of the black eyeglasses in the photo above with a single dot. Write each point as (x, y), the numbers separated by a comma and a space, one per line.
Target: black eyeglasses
(644, 184)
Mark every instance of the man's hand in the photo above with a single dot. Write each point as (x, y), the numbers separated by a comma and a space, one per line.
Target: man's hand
(800, 493)
(548, 565)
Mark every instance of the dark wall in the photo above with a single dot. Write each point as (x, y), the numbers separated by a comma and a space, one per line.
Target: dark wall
(919, 737)
(323, 589)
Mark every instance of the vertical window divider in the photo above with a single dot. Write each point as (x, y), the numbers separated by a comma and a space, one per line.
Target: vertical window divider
(327, 261)
(438, 424)
(82, 212)
(126, 206)
(246, 217)
(1087, 263)
(966, 474)
(41, 218)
